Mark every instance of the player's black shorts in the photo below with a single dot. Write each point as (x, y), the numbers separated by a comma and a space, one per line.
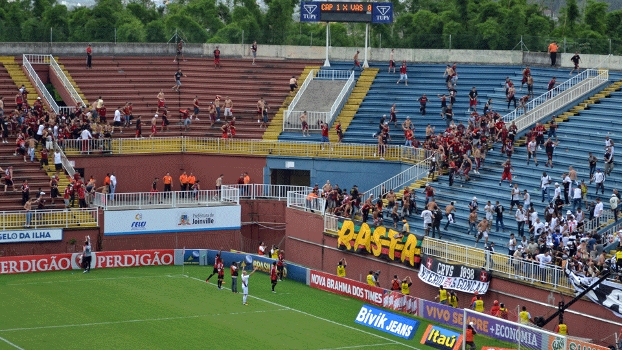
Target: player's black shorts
(215, 270)
(279, 268)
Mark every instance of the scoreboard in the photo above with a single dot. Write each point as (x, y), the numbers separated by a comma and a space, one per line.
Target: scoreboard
(331, 11)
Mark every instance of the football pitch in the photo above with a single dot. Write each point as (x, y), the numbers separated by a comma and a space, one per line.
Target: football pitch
(159, 308)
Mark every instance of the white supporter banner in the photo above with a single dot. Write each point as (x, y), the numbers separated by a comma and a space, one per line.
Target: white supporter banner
(456, 277)
(131, 222)
(28, 236)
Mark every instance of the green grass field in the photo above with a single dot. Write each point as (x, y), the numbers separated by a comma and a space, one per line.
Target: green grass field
(158, 308)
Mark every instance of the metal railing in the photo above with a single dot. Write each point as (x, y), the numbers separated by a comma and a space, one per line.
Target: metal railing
(268, 191)
(299, 93)
(606, 216)
(66, 163)
(230, 194)
(240, 146)
(66, 83)
(306, 202)
(557, 98)
(407, 176)
(173, 199)
(39, 84)
(499, 264)
(291, 121)
(59, 218)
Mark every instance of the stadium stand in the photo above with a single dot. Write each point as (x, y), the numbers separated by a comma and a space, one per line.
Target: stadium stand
(139, 79)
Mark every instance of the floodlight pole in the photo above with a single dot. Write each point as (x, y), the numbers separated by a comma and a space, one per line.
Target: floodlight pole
(365, 63)
(326, 62)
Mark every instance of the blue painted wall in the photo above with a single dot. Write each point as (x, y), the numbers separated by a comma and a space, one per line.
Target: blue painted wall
(345, 173)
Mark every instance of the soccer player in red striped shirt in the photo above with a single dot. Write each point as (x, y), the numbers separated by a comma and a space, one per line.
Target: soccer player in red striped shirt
(273, 276)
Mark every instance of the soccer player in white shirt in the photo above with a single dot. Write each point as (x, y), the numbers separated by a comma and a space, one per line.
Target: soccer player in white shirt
(245, 285)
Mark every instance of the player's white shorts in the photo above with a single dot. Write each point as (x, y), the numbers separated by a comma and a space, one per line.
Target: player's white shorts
(228, 112)
(244, 290)
(403, 77)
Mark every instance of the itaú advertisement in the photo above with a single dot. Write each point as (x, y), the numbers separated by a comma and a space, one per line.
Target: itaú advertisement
(133, 222)
(72, 261)
(388, 322)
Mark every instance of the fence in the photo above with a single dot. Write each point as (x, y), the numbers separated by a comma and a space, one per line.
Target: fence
(299, 94)
(306, 202)
(315, 119)
(595, 223)
(407, 176)
(11, 220)
(37, 81)
(499, 264)
(239, 146)
(66, 83)
(559, 97)
(176, 199)
(267, 191)
(230, 194)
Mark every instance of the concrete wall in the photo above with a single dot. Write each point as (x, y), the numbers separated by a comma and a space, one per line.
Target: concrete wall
(308, 52)
(318, 251)
(345, 173)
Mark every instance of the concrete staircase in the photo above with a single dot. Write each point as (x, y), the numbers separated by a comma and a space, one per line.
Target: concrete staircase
(353, 103)
(275, 127)
(19, 78)
(73, 82)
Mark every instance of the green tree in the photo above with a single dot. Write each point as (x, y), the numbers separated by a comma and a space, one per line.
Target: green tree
(595, 16)
(572, 14)
(155, 32)
(280, 14)
(190, 29)
(132, 30)
(56, 17)
(33, 30)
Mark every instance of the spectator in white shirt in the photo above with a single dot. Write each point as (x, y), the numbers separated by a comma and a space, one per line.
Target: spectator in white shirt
(576, 198)
(599, 180)
(526, 199)
(614, 201)
(545, 181)
(113, 185)
(520, 220)
(427, 220)
(544, 260)
(558, 192)
(598, 210)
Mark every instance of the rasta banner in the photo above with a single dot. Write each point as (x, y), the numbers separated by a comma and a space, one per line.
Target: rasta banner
(380, 241)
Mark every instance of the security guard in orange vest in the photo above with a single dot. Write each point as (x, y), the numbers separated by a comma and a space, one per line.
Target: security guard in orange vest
(396, 283)
(470, 336)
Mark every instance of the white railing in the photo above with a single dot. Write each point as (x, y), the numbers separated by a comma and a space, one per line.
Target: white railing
(268, 191)
(39, 84)
(306, 202)
(314, 118)
(230, 194)
(176, 199)
(49, 60)
(66, 83)
(595, 223)
(559, 97)
(499, 264)
(299, 93)
(407, 176)
(331, 223)
(240, 146)
(66, 163)
(11, 220)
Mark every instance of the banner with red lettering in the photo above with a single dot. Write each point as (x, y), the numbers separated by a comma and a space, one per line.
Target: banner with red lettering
(370, 294)
(62, 262)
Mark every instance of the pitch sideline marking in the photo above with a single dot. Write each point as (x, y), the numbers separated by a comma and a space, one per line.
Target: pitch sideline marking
(130, 321)
(13, 345)
(357, 346)
(324, 319)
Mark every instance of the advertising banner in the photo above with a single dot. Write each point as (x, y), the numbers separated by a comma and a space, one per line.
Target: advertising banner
(262, 263)
(576, 344)
(27, 236)
(399, 302)
(485, 325)
(606, 294)
(441, 338)
(348, 287)
(71, 261)
(132, 222)
(387, 322)
(380, 241)
(451, 276)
